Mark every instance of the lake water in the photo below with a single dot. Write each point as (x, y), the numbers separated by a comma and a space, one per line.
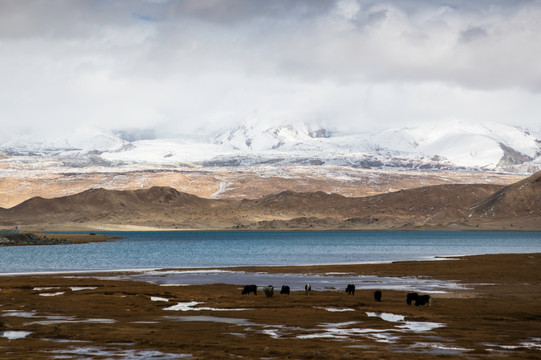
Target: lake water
(196, 249)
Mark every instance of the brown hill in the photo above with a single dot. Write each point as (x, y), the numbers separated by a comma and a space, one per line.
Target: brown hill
(516, 206)
(160, 207)
(519, 199)
(419, 202)
(402, 209)
(100, 200)
(165, 207)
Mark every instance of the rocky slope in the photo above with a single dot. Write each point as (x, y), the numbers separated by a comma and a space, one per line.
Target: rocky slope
(513, 206)
(458, 206)
(23, 181)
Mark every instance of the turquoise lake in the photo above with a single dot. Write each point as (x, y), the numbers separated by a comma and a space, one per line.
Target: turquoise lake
(196, 249)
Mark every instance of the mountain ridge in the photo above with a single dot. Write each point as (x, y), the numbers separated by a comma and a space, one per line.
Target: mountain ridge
(454, 146)
(451, 206)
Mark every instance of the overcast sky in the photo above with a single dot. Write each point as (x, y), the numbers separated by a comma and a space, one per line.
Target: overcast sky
(181, 65)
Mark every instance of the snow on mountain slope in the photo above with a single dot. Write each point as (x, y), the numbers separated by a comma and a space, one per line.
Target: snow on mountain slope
(455, 145)
(257, 139)
(488, 147)
(82, 140)
(94, 140)
(164, 151)
(400, 140)
(468, 150)
(479, 146)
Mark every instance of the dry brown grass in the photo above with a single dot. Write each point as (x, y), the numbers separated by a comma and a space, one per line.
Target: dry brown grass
(499, 312)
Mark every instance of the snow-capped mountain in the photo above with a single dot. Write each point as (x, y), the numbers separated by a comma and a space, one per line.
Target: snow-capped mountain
(252, 138)
(457, 145)
(82, 140)
(490, 147)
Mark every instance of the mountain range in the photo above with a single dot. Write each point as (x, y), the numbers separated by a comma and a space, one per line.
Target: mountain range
(454, 206)
(454, 146)
(251, 161)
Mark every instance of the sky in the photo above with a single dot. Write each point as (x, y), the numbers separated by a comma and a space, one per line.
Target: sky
(186, 66)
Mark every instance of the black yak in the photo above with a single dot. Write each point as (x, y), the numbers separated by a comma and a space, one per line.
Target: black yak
(411, 297)
(422, 300)
(269, 291)
(249, 288)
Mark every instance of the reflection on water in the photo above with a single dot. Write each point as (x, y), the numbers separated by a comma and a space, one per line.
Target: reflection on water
(531, 343)
(52, 319)
(413, 326)
(295, 281)
(192, 306)
(17, 313)
(335, 309)
(204, 318)
(349, 330)
(52, 294)
(437, 348)
(80, 288)
(46, 288)
(93, 352)
(386, 316)
(14, 334)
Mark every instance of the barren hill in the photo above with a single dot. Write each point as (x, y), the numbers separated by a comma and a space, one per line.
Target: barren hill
(514, 206)
(418, 202)
(519, 199)
(459, 206)
(100, 200)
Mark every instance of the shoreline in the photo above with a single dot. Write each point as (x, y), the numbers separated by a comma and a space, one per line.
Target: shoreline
(314, 229)
(296, 268)
(104, 231)
(254, 268)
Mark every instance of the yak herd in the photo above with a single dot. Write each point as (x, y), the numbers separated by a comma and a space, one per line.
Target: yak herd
(350, 290)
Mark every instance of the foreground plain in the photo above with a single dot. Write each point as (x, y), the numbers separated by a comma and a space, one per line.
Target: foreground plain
(495, 315)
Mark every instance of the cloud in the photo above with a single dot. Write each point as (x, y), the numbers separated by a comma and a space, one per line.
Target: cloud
(473, 33)
(179, 66)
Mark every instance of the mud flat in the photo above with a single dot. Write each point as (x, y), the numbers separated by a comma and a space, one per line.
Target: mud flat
(495, 313)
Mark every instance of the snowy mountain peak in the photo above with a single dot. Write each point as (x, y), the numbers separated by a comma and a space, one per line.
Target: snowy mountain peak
(253, 138)
(91, 139)
(456, 145)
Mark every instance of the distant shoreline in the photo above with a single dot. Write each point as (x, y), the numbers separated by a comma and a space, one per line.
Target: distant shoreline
(45, 238)
(82, 237)
(403, 229)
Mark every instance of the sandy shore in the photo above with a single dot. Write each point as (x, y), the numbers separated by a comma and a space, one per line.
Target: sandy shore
(496, 315)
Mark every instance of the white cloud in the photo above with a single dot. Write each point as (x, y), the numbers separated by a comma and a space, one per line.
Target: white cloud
(181, 65)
